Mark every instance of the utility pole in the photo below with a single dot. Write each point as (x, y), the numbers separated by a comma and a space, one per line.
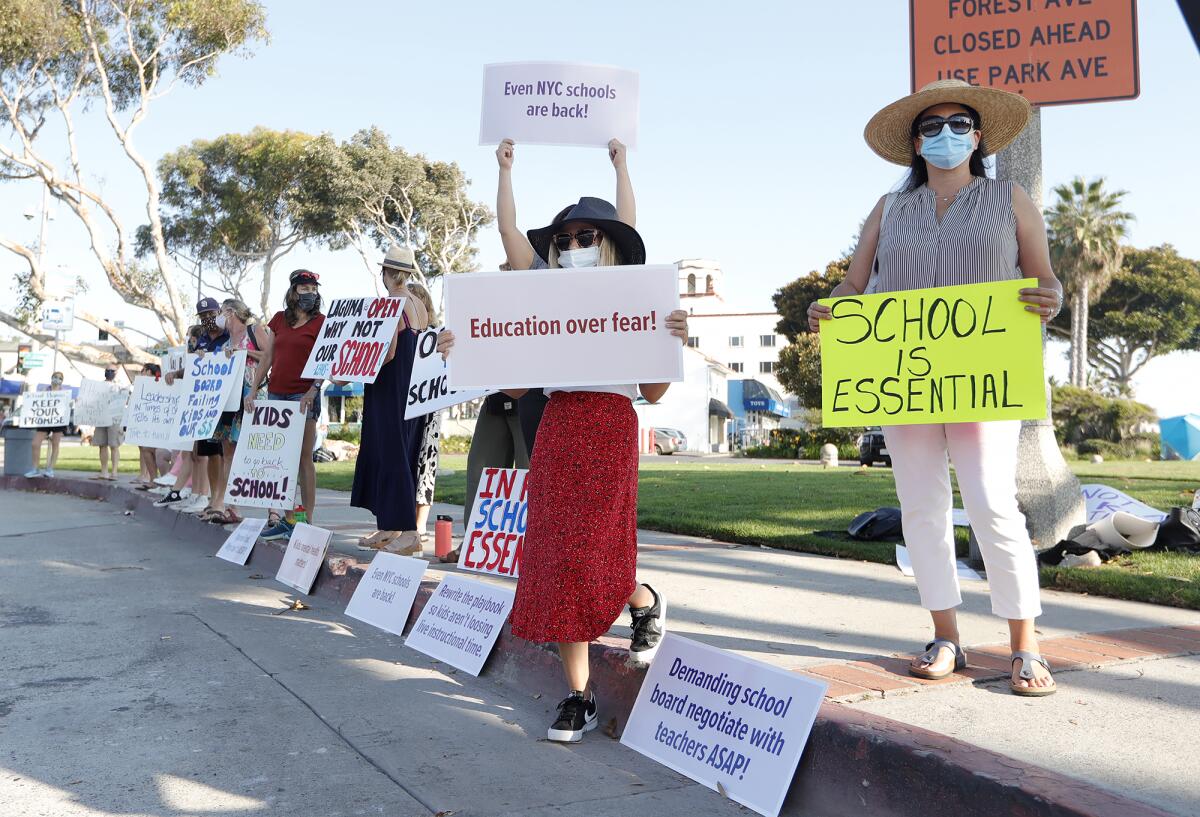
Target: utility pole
(41, 258)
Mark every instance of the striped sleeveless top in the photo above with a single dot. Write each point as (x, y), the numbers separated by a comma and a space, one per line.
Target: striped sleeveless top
(975, 242)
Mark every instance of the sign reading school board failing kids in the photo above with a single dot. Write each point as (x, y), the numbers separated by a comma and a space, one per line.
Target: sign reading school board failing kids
(961, 354)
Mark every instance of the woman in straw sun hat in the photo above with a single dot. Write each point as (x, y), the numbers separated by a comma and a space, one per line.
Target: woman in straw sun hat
(952, 225)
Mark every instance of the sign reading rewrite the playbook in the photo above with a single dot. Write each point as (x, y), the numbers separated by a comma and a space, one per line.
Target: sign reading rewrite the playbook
(151, 413)
(558, 103)
(722, 719)
(960, 354)
(496, 530)
(267, 459)
(429, 387)
(461, 622)
(354, 339)
(207, 383)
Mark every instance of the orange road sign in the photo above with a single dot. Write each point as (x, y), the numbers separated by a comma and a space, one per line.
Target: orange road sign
(1054, 52)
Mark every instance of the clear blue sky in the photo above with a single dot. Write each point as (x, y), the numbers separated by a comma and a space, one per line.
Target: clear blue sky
(751, 149)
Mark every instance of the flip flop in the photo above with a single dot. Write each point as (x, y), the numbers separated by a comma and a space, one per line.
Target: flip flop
(932, 649)
(376, 540)
(1026, 658)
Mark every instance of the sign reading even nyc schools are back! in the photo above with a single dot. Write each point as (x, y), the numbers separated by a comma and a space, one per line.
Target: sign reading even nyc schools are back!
(429, 387)
(46, 409)
(563, 327)
(152, 412)
(496, 530)
(354, 339)
(385, 594)
(1052, 52)
(461, 622)
(207, 384)
(558, 103)
(267, 459)
(724, 721)
(961, 354)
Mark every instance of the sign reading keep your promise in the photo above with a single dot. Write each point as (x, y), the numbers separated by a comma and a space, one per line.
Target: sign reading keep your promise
(947, 355)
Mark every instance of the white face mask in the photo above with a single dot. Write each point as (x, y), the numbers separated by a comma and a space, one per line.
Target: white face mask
(221, 322)
(582, 257)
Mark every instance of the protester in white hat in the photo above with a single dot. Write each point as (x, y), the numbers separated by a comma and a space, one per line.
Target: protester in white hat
(950, 225)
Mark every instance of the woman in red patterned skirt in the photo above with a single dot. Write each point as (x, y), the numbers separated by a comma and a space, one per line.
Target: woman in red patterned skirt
(579, 560)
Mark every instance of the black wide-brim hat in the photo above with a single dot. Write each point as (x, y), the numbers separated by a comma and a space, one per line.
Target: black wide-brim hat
(604, 216)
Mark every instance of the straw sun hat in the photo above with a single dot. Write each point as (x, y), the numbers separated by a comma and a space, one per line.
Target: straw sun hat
(1003, 114)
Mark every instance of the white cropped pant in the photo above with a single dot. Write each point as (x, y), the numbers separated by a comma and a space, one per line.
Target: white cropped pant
(985, 462)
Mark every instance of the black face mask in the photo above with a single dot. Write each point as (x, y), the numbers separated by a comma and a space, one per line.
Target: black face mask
(307, 301)
(210, 324)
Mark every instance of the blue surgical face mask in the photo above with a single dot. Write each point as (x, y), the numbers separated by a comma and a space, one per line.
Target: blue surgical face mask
(947, 150)
(582, 257)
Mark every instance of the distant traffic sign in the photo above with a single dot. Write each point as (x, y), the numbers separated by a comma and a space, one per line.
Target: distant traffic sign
(33, 360)
(1053, 52)
(58, 316)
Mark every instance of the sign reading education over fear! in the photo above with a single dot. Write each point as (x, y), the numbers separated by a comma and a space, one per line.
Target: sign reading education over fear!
(947, 355)
(724, 721)
(429, 387)
(496, 530)
(558, 103)
(46, 409)
(563, 327)
(461, 622)
(1052, 52)
(152, 412)
(267, 459)
(354, 339)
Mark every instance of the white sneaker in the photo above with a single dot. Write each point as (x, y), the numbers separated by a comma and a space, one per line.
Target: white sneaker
(165, 480)
(163, 491)
(197, 503)
(32, 473)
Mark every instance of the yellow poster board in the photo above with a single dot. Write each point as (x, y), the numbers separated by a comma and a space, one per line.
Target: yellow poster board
(947, 355)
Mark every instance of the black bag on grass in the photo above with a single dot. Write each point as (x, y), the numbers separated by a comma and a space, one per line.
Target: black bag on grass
(877, 525)
(1180, 530)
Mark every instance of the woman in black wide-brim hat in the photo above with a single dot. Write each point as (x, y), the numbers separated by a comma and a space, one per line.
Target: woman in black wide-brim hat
(579, 559)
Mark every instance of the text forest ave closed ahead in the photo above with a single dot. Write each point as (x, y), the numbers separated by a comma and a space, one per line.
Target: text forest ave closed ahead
(960, 354)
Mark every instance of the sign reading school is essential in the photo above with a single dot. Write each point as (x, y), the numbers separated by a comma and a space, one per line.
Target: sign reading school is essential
(238, 545)
(46, 409)
(429, 387)
(724, 720)
(1052, 52)
(385, 594)
(304, 556)
(961, 354)
(354, 339)
(207, 384)
(151, 414)
(563, 327)
(267, 459)
(461, 622)
(558, 103)
(496, 530)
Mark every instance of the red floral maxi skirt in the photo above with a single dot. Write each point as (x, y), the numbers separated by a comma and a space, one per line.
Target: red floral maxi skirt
(579, 559)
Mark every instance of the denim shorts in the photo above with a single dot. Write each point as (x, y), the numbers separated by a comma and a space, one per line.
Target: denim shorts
(314, 411)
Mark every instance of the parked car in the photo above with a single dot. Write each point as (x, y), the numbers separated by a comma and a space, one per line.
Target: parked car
(872, 448)
(669, 440)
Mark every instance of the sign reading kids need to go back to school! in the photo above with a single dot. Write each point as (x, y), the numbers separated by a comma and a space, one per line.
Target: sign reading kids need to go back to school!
(558, 103)
(961, 354)
(730, 723)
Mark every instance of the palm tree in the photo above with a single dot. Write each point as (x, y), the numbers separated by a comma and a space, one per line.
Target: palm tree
(1086, 230)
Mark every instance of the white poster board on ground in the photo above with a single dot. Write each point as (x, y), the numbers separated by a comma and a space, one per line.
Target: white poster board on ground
(384, 597)
(207, 382)
(723, 719)
(558, 103)
(304, 556)
(1103, 500)
(234, 402)
(571, 327)
(152, 412)
(46, 409)
(93, 404)
(354, 339)
(495, 533)
(429, 387)
(239, 544)
(267, 458)
(461, 622)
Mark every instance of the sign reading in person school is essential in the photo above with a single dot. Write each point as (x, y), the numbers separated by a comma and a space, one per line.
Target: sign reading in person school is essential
(238, 545)
(304, 556)
(94, 403)
(429, 387)
(151, 414)
(267, 458)
(558, 103)
(354, 339)
(385, 594)
(947, 355)
(1052, 52)
(207, 383)
(563, 327)
(495, 532)
(724, 720)
(46, 409)
(461, 622)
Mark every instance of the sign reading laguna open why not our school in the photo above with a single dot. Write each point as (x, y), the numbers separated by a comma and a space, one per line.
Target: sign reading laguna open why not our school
(263, 474)
(461, 622)
(354, 339)
(429, 387)
(948, 355)
(558, 103)
(1050, 51)
(496, 530)
(570, 327)
(724, 720)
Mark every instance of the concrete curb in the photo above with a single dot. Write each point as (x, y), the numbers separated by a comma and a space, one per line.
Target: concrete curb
(856, 762)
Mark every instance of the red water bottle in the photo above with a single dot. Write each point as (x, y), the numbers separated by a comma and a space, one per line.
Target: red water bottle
(442, 535)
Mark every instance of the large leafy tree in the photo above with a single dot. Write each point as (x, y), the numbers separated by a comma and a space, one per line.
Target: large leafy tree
(799, 369)
(65, 59)
(1086, 227)
(792, 300)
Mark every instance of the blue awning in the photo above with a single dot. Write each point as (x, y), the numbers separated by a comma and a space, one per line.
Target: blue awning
(759, 397)
(348, 390)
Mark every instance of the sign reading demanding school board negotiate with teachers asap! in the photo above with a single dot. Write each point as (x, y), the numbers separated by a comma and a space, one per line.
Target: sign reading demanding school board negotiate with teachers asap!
(1052, 52)
(267, 459)
(961, 354)
(558, 103)
(354, 339)
(429, 386)
(496, 530)
(563, 327)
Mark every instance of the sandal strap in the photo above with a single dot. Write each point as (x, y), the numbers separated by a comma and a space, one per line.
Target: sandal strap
(933, 647)
(1026, 658)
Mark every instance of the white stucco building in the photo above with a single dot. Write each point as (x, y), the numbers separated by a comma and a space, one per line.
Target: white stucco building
(697, 406)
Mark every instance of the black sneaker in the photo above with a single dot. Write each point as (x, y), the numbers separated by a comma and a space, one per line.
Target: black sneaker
(576, 715)
(170, 499)
(649, 624)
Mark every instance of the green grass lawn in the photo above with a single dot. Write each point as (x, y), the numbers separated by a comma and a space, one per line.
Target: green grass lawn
(75, 457)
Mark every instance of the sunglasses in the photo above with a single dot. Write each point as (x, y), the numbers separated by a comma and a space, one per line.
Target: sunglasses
(932, 126)
(586, 238)
(304, 277)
